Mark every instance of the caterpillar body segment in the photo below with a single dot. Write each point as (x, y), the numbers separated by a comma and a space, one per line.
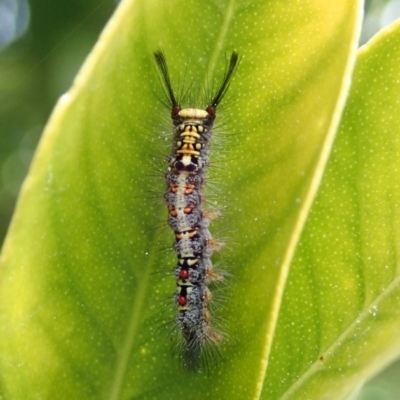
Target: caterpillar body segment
(185, 178)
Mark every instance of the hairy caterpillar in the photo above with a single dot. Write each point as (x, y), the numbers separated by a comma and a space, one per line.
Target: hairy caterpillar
(194, 245)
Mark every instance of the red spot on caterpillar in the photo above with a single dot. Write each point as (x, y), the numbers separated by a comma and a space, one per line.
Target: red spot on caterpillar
(182, 300)
(184, 274)
(175, 111)
(211, 111)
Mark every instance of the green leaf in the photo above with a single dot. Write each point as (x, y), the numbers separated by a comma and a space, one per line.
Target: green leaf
(83, 292)
(340, 319)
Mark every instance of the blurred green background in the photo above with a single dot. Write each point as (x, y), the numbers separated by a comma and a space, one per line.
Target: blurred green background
(42, 45)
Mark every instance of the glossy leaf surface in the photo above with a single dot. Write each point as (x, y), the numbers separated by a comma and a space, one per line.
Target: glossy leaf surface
(340, 319)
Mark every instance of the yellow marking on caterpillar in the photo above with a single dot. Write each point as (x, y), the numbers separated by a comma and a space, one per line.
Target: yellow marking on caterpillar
(193, 113)
(187, 151)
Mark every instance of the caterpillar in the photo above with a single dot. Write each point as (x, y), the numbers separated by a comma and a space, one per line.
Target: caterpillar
(194, 245)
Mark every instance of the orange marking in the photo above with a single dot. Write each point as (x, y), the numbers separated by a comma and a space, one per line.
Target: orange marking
(188, 152)
(189, 188)
(175, 188)
(173, 212)
(188, 209)
(191, 234)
